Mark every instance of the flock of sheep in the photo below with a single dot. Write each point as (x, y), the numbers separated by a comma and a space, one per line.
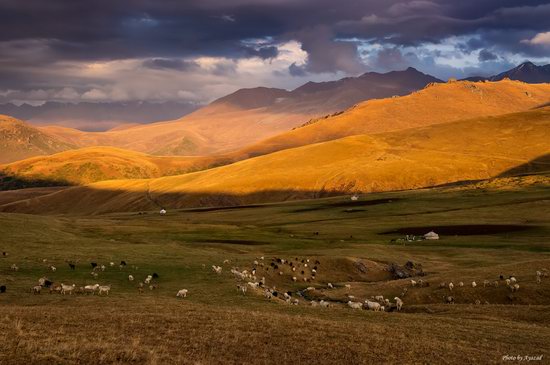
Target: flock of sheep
(62, 288)
(302, 270)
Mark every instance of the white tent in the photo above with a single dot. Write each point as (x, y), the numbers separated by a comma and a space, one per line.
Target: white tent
(431, 236)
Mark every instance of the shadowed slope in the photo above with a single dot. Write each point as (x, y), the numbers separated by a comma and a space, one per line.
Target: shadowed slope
(464, 150)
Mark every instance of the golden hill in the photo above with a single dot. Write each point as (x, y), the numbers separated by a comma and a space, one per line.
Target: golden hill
(92, 164)
(472, 149)
(216, 128)
(18, 141)
(437, 103)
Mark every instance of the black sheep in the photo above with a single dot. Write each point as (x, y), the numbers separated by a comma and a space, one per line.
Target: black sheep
(317, 262)
(279, 261)
(289, 293)
(276, 266)
(2, 288)
(155, 275)
(47, 283)
(123, 263)
(94, 264)
(302, 272)
(72, 266)
(501, 277)
(275, 294)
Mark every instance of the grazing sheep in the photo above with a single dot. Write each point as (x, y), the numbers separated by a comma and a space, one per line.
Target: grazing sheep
(413, 283)
(398, 303)
(14, 267)
(253, 285)
(474, 284)
(347, 286)
(72, 266)
(55, 288)
(442, 285)
(295, 301)
(268, 294)
(103, 289)
(486, 283)
(102, 267)
(461, 284)
(91, 288)
(67, 289)
(324, 304)
(130, 278)
(495, 283)
(95, 275)
(450, 300)
(451, 286)
(155, 275)
(314, 303)
(330, 286)
(111, 264)
(373, 306)
(294, 278)
(93, 264)
(53, 268)
(182, 293)
(281, 273)
(538, 280)
(478, 302)
(355, 305)
(2, 289)
(508, 282)
(513, 280)
(379, 298)
(242, 288)
(217, 269)
(36, 289)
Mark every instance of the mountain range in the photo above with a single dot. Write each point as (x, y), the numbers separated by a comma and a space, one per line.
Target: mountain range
(526, 72)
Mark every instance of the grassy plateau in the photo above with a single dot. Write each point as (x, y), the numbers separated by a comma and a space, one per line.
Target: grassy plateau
(486, 229)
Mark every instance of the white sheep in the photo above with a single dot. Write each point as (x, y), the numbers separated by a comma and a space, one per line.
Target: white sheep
(474, 284)
(508, 281)
(398, 303)
(242, 289)
(182, 293)
(486, 283)
(36, 289)
(294, 278)
(324, 304)
(130, 278)
(379, 298)
(538, 280)
(91, 288)
(313, 303)
(217, 269)
(53, 268)
(413, 283)
(253, 285)
(67, 289)
(104, 289)
(111, 264)
(14, 267)
(513, 280)
(451, 286)
(355, 305)
(330, 286)
(348, 286)
(461, 284)
(373, 306)
(268, 294)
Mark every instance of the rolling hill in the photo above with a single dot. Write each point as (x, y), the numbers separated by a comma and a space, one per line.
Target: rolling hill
(91, 164)
(247, 116)
(19, 140)
(438, 103)
(472, 149)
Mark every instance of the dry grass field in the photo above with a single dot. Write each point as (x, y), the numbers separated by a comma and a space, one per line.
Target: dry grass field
(487, 230)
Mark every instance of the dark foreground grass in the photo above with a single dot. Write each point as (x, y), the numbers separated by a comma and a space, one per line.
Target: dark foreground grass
(216, 324)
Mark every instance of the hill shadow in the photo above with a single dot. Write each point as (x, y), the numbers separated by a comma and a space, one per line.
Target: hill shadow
(9, 182)
(538, 165)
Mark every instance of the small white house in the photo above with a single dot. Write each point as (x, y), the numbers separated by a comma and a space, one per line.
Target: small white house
(162, 212)
(355, 197)
(431, 236)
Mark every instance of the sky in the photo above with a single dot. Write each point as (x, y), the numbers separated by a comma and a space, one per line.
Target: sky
(196, 51)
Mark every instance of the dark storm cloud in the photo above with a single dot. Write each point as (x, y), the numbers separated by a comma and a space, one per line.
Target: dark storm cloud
(486, 55)
(169, 63)
(36, 33)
